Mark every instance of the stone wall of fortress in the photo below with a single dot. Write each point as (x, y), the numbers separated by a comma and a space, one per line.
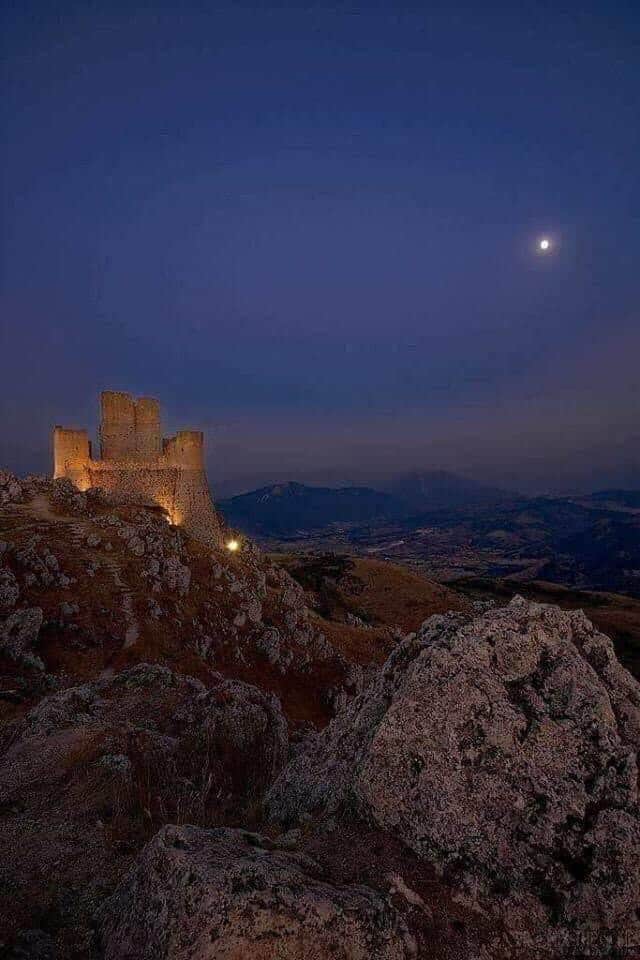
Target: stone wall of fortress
(129, 428)
(137, 464)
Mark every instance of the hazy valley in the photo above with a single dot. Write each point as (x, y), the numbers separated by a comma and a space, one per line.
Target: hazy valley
(588, 542)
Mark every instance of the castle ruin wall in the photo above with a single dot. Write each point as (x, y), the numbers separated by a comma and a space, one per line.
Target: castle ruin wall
(129, 428)
(71, 451)
(136, 464)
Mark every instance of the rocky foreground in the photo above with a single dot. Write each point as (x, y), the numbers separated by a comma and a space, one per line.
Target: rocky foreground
(194, 764)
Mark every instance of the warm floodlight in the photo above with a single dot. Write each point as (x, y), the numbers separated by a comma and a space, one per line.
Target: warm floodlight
(233, 545)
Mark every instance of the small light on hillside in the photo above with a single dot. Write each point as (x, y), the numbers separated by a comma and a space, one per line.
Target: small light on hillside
(233, 545)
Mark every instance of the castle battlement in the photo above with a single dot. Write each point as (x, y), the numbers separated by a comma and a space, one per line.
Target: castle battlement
(137, 463)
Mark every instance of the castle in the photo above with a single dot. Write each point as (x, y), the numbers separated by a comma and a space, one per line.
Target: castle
(138, 464)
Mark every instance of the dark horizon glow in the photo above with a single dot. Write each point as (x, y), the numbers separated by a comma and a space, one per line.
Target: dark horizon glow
(313, 231)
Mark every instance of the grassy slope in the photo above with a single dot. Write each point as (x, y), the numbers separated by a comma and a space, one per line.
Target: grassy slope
(387, 597)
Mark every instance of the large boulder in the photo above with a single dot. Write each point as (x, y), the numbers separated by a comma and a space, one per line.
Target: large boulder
(503, 750)
(227, 895)
(170, 743)
(92, 771)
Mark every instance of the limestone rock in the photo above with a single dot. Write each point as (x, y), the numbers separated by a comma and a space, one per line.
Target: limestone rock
(225, 895)
(504, 750)
(73, 707)
(69, 609)
(176, 575)
(189, 743)
(67, 498)
(9, 589)
(33, 945)
(136, 546)
(247, 727)
(10, 488)
(20, 632)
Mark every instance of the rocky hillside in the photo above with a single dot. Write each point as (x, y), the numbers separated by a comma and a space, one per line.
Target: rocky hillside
(203, 754)
(90, 586)
(369, 593)
(504, 750)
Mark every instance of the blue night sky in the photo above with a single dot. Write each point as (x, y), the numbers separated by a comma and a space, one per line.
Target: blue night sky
(311, 231)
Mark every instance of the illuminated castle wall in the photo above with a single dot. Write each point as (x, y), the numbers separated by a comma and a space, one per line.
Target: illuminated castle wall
(137, 464)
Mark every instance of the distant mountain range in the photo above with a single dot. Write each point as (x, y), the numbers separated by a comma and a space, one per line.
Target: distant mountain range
(450, 528)
(629, 499)
(439, 489)
(284, 509)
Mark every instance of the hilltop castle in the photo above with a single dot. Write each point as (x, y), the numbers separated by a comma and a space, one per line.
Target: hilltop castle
(137, 463)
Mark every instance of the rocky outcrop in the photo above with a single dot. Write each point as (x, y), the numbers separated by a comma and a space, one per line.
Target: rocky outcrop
(134, 576)
(178, 746)
(9, 590)
(18, 635)
(64, 495)
(10, 488)
(227, 895)
(503, 750)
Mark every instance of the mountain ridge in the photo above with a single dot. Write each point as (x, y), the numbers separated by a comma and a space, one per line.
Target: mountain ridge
(434, 489)
(282, 509)
(288, 507)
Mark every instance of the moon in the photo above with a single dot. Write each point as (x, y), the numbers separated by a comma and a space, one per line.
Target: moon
(544, 244)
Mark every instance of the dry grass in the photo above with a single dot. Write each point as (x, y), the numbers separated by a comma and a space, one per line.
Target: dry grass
(358, 644)
(380, 593)
(206, 784)
(393, 595)
(157, 791)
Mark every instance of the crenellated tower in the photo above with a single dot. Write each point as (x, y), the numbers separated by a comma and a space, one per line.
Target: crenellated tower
(137, 464)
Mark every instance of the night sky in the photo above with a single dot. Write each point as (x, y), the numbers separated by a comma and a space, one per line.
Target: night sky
(311, 231)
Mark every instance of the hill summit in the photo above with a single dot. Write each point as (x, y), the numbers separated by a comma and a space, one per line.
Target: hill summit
(284, 509)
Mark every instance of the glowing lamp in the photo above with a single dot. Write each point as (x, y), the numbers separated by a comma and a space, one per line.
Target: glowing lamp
(232, 545)
(544, 244)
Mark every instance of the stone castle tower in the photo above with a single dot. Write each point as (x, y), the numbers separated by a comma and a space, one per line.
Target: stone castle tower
(136, 463)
